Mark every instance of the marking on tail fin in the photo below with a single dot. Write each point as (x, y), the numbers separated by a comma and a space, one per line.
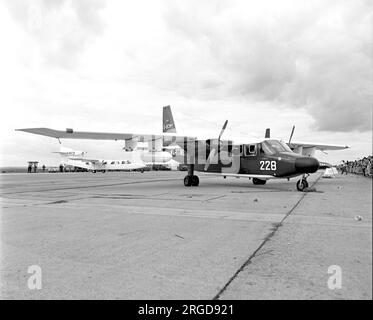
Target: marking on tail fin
(168, 120)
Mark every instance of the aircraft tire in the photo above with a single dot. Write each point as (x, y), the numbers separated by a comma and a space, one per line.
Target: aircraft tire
(195, 181)
(302, 184)
(188, 181)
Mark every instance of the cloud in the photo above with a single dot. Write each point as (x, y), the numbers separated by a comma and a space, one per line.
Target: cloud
(61, 28)
(314, 56)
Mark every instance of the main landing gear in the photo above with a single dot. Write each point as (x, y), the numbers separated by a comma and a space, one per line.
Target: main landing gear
(302, 184)
(191, 180)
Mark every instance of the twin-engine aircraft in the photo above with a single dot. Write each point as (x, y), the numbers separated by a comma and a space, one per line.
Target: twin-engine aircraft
(259, 161)
(75, 158)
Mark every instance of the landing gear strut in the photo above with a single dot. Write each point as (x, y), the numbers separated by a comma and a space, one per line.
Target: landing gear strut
(302, 184)
(191, 179)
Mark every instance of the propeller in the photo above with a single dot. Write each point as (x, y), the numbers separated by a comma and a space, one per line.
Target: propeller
(213, 150)
(222, 130)
(291, 135)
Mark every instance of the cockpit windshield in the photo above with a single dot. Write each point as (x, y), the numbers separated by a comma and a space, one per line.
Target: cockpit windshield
(274, 146)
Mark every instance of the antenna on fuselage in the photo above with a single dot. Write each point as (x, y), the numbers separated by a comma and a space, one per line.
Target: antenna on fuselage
(268, 133)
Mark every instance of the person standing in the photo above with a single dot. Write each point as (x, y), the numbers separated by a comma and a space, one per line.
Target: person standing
(344, 168)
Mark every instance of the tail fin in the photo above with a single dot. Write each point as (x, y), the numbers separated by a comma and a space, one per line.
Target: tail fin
(268, 133)
(168, 121)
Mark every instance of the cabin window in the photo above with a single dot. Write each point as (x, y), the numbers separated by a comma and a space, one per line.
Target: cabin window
(123, 162)
(112, 162)
(230, 148)
(266, 148)
(274, 146)
(250, 150)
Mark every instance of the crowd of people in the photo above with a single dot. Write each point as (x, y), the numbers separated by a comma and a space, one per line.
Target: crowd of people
(361, 166)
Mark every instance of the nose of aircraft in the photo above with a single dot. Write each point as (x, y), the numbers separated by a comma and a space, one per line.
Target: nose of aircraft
(306, 165)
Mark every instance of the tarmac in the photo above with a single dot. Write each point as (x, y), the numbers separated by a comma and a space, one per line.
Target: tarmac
(145, 236)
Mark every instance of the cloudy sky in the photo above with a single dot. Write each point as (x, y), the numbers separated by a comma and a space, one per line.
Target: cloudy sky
(111, 66)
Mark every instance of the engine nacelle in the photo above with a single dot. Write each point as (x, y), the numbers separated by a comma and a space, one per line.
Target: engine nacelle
(158, 157)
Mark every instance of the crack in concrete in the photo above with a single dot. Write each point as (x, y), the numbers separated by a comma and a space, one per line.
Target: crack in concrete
(267, 238)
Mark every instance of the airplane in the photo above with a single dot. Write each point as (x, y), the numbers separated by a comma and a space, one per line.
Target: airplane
(260, 161)
(74, 158)
(303, 148)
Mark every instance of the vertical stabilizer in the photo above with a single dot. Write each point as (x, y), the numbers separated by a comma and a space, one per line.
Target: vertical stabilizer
(168, 121)
(268, 133)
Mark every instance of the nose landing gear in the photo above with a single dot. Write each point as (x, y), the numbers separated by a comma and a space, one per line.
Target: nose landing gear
(302, 184)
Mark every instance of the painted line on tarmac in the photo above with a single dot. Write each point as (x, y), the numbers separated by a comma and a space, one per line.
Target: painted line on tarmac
(92, 186)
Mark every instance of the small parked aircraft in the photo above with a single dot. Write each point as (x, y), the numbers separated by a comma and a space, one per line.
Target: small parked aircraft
(74, 158)
(259, 161)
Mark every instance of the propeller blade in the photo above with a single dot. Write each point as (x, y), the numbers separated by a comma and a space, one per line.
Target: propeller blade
(222, 130)
(213, 150)
(268, 133)
(208, 161)
(291, 135)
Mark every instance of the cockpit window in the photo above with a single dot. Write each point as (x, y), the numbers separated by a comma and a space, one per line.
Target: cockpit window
(274, 146)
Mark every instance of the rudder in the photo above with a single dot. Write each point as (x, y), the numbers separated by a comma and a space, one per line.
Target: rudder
(168, 120)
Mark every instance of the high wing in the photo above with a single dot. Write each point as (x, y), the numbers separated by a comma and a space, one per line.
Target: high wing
(168, 139)
(94, 161)
(317, 146)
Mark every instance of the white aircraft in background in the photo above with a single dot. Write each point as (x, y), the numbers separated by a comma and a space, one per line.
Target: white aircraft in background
(74, 158)
(146, 155)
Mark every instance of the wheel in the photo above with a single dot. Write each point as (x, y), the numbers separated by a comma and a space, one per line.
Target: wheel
(187, 181)
(259, 181)
(302, 184)
(103, 171)
(305, 183)
(195, 181)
